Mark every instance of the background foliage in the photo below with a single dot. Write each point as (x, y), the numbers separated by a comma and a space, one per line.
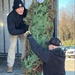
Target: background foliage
(67, 24)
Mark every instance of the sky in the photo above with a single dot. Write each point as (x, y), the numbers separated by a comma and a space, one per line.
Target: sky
(63, 3)
(68, 5)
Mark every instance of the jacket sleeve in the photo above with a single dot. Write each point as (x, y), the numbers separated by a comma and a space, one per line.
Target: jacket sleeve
(11, 27)
(25, 12)
(41, 52)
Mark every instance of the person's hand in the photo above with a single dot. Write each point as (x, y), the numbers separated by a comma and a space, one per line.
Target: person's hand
(27, 33)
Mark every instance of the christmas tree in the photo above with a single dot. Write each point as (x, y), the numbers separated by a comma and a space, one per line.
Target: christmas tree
(40, 20)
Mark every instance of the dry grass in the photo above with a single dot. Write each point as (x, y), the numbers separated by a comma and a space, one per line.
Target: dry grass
(70, 65)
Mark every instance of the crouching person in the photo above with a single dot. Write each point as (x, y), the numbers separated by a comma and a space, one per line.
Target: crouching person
(53, 58)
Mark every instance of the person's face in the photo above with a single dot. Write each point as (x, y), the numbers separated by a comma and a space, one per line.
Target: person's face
(51, 47)
(20, 10)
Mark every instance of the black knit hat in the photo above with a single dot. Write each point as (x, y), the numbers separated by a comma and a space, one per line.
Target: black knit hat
(54, 41)
(17, 4)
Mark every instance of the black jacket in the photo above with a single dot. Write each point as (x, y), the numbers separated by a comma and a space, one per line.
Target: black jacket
(53, 60)
(15, 23)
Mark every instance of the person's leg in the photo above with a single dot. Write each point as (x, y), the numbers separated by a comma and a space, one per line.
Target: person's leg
(23, 41)
(11, 51)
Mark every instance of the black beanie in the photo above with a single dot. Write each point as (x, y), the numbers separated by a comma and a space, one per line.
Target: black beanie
(17, 4)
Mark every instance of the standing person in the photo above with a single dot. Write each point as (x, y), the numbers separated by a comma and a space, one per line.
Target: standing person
(16, 28)
(53, 58)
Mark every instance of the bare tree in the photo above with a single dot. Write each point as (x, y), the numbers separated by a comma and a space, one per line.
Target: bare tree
(67, 22)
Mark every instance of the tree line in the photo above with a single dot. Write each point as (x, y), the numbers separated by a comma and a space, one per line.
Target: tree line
(66, 23)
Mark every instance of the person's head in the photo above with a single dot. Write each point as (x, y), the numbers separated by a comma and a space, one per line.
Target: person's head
(18, 6)
(53, 43)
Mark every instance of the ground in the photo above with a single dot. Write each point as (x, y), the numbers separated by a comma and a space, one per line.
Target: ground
(17, 70)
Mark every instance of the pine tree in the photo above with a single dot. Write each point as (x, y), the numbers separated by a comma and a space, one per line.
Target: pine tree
(40, 20)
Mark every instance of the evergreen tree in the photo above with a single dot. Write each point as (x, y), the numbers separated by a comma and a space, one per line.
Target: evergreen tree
(40, 20)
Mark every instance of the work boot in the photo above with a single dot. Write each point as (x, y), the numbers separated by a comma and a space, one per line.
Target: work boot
(9, 69)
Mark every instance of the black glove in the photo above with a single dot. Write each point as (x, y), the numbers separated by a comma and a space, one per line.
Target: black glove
(26, 28)
(29, 35)
(23, 26)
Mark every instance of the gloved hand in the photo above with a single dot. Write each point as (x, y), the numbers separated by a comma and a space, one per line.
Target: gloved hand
(28, 34)
(24, 26)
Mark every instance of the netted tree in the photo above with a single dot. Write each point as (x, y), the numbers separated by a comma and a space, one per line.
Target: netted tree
(40, 20)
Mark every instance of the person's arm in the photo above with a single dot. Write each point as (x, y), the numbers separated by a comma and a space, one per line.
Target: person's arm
(41, 52)
(11, 26)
